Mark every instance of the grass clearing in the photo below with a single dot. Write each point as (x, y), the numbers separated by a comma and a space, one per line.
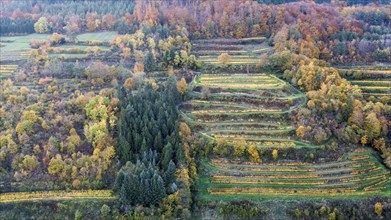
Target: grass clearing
(83, 47)
(106, 36)
(67, 55)
(20, 43)
(17, 47)
(55, 195)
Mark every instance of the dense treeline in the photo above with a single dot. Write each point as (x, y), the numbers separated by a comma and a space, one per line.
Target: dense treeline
(105, 15)
(348, 2)
(351, 35)
(22, 25)
(63, 9)
(141, 183)
(67, 15)
(370, 208)
(366, 208)
(148, 121)
(366, 2)
(373, 17)
(275, 1)
(151, 149)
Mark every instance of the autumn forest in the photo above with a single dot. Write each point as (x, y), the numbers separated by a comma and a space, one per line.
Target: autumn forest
(195, 109)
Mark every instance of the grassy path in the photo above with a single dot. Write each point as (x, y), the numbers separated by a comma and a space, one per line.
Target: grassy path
(55, 195)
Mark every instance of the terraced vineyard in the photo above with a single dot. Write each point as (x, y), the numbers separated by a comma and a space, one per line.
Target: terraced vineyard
(14, 55)
(357, 173)
(254, 108)
(375, 83)
(242, 52)
(7, 71)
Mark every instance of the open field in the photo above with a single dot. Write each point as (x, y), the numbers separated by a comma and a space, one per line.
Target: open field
(357, 173)
(67, 55)
(18, 47)
(98, 36)
(253, 108)
(82, 47)
(74, 51)
(20, 43)
(374, 82)
(55, 195)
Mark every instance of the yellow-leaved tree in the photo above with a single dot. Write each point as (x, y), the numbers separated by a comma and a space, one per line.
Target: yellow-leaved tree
(275, 154)
(224, 58)
(182, 86)
(42, 25)
(254, 154)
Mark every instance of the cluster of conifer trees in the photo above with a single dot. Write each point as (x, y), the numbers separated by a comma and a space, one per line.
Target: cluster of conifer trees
(148, 143)
(141, 183)
(22, 25)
